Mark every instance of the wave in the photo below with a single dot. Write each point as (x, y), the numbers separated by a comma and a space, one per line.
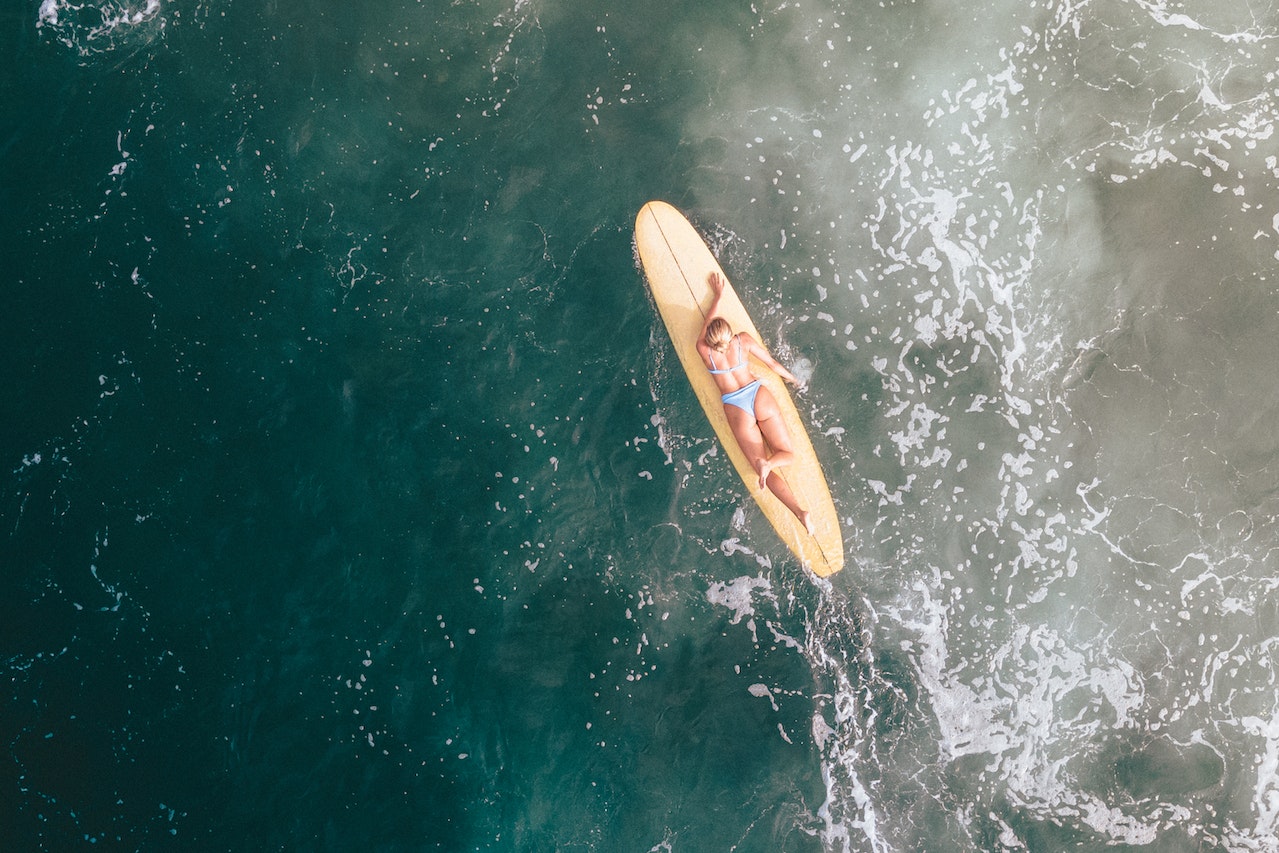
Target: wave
(89, 29)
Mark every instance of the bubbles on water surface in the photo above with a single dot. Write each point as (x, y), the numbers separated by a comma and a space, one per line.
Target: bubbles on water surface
(1055, 623)
(1041, 598)
(92, 28)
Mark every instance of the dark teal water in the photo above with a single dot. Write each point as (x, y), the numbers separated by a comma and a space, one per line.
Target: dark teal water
(352, 499)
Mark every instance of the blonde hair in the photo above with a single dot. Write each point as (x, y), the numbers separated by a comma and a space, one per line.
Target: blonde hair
(718, 334)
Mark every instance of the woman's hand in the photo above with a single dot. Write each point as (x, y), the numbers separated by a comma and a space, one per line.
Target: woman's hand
(716, 281)
(787, 376)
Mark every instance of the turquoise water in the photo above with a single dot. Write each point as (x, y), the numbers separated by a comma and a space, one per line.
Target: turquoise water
(354, 500)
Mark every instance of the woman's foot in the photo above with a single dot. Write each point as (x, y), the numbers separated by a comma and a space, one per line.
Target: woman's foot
(765, 468)
(806, 520)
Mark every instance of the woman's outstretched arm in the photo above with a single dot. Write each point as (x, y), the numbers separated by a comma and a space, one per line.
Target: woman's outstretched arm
(757, 349)
(716, 281)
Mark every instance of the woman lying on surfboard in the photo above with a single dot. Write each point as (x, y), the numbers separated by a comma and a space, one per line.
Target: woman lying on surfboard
(750, 407)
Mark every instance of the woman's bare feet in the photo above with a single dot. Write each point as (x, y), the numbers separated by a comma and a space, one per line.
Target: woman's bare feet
(807, 521)
(765, 468)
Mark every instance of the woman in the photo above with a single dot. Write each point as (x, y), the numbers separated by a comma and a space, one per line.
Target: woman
(751, 409)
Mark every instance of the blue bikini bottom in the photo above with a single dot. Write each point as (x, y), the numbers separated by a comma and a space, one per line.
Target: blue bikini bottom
(743, 398)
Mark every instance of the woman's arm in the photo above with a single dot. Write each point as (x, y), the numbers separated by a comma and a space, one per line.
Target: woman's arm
(716, 281)
(757, 349)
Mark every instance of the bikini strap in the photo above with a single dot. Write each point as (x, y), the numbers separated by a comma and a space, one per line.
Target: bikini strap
(741, 358)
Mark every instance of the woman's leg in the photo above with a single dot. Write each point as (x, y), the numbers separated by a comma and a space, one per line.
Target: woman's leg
(773, 428)
(749, 437)
(755, 438)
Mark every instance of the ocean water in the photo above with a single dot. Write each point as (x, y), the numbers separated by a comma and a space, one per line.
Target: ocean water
(353, 500)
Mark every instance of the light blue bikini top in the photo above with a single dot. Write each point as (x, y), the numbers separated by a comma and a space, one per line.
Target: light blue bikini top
(741, 360)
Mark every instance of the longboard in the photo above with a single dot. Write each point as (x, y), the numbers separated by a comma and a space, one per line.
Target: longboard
(676, 262)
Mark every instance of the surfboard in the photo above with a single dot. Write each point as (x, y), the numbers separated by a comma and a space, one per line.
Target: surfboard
(677, 262)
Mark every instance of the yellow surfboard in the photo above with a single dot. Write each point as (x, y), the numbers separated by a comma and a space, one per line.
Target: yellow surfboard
(677, 262)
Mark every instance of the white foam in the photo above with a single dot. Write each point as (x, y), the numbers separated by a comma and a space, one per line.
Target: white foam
(738, 595)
